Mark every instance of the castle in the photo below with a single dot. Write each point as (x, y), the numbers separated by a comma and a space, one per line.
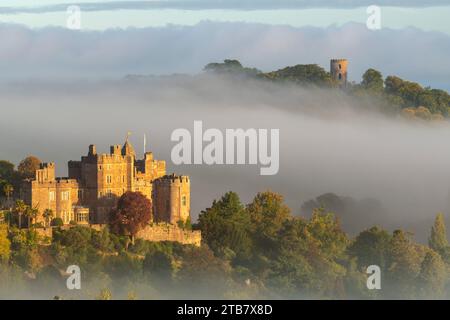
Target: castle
(90, 192)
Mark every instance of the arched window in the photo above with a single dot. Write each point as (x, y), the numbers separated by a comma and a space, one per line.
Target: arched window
(340, 76)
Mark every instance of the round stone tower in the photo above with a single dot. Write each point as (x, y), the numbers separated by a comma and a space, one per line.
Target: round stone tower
(338, 70)
(171, 199)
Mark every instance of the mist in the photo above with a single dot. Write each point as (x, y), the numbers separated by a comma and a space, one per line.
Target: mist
(328, 141)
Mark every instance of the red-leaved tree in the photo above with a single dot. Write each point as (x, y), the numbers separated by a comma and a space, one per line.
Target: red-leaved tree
(133, 213)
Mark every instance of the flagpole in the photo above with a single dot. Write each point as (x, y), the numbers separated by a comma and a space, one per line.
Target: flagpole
(145, 143)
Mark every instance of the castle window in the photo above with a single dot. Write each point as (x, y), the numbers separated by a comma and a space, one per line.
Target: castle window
(51, 196)
(100, 167)
(109, 194)
(81, 217)
(183, 200)
(340, 76)
(108, 179)
(65, 195)
(340, 66)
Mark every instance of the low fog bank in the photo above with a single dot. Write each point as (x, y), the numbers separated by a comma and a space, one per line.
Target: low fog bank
(328, 142)
(60, 53)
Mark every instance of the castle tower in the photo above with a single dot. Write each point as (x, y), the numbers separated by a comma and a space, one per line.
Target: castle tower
(171, 199)
(46, 172)
(338, 70)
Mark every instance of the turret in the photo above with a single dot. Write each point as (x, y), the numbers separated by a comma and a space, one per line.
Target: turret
(172, 199)
(115, 149)
(92, 150)
(46, 172)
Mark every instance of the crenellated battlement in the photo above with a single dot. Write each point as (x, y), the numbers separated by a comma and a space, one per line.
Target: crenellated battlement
(172, 179)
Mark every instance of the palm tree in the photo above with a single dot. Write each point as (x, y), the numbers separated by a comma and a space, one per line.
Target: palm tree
(20, 209)
(8, 190)
(32, 214)
(48, 215)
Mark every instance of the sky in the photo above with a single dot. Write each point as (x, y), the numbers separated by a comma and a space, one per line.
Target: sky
(101, 15)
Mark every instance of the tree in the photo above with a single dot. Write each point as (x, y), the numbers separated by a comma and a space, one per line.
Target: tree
(438, 238)
(303, 74)
(372, 80)
(8, 190)
(225, 227)
(5, 245)
(203, 273)
(404, 260)
(6, 170)
(267, 214)
(57, 222)
(326, 229)
(432, 277)
(48, 215)
(31, 214)
(291, 271)
(28, 166)
(158, 266)
(370, 248)
(230, 66)
(133, 213)
(20, 209)
(102, 241)
(393, 84)
(407, 90)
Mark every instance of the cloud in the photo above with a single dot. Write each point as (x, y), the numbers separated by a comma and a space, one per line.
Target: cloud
(62, 53)
(217, 4)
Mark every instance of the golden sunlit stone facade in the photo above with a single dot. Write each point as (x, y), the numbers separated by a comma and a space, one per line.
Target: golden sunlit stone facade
(94, 184)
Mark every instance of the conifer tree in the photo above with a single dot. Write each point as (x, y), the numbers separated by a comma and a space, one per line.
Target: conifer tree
(438, 238)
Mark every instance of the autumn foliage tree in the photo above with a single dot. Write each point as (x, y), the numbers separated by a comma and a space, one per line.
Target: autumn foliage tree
(28, 166)
(133, 212)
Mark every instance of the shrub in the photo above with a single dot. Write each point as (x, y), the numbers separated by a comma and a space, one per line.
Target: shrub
(57, 222)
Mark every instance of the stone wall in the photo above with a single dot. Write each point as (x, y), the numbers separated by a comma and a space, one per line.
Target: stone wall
(168, 232)
(155, 232)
